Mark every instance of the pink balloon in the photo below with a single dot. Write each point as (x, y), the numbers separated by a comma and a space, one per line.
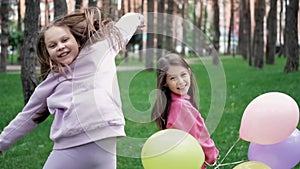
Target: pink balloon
(285, 154)
(269, 118)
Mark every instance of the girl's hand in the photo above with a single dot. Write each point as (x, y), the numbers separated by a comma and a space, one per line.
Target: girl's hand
(142, 21)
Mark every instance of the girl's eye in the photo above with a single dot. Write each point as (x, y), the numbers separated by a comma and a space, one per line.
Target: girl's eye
(65, 40)
(51, 46)
(172, 78)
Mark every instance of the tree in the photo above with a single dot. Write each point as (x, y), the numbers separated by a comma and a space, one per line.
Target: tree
(230, 26)
(150, 36)
(160, 26)
(216, 37)
(244, 43)
(141, 42)
(271, 33)
(169, 27)
(78, 4)
(291, 37)
(197, 21)
(185, 16)
(28, 72)
(258, 37)
(60, 8)
(93, 2)
(19, 16)
(4, 34)
(281, 46)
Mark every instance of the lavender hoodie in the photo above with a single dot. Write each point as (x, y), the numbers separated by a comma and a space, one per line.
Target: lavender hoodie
(86, 105)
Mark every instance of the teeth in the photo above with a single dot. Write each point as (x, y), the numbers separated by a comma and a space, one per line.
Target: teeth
(64, 54)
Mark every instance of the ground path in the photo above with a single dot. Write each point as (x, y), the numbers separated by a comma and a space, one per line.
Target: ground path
(14, 68)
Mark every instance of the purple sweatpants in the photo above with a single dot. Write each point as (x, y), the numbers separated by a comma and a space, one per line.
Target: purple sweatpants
(95, 155)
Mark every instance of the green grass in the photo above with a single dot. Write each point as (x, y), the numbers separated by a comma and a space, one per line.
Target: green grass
(243, 84)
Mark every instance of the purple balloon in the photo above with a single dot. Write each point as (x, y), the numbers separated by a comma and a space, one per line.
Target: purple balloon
(282, 155)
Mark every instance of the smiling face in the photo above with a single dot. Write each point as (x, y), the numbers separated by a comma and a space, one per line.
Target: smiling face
(61, 44)
(178, 79)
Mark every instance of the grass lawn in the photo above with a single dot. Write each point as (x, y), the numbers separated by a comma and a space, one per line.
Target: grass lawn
(242, 84)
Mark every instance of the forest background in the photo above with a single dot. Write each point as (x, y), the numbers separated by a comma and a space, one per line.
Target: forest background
(255, 31)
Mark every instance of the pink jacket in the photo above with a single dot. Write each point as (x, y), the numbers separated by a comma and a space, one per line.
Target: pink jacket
(184, 116)
(87, 105)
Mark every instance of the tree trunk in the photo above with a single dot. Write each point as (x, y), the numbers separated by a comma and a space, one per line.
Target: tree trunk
(258, 39)
(60, 8)
(129, 5)
(216, 36)
(230, 26)
(142, 41)
(292, 48)
(202, 22)
(160, 27)
(247, 30)
(150, 36)
(196, 15)
(271, 33)
(185, 16)
(169, 27)
(78, 4)
(4, 34)
(241, 42)
(19, 16)
(92, 3)
(28, 73)
(281, 45)
(206, 21)
(244, 43)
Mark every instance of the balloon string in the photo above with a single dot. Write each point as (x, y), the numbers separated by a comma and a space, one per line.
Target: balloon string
(230, 149)
(237, 162)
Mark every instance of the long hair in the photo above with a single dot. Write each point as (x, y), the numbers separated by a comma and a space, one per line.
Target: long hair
(162, 104)
(87, 27)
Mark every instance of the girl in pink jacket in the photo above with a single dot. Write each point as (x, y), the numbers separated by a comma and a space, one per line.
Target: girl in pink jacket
(175, 105)
(80, 89)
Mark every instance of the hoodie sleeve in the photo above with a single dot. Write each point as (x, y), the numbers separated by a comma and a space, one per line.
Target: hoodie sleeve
(23, 123)
(129, 23)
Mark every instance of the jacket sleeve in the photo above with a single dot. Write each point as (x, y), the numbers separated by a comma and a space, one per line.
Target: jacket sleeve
(23, 123)
(210, 150)
(129, 23)
(189, 120)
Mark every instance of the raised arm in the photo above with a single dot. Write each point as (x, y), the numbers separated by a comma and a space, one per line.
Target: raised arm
(129, 23)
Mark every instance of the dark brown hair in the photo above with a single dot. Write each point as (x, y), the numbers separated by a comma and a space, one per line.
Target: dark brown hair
(161, 107)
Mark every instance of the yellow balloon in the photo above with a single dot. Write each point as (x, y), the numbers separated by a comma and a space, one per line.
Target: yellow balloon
(172, 149)
(252, 165)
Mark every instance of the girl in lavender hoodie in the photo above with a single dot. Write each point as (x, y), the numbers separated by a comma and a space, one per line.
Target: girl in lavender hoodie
(80, 89)
(175, 106)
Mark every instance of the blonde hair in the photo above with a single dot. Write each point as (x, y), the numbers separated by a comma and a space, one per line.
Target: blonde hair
(87, 27)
